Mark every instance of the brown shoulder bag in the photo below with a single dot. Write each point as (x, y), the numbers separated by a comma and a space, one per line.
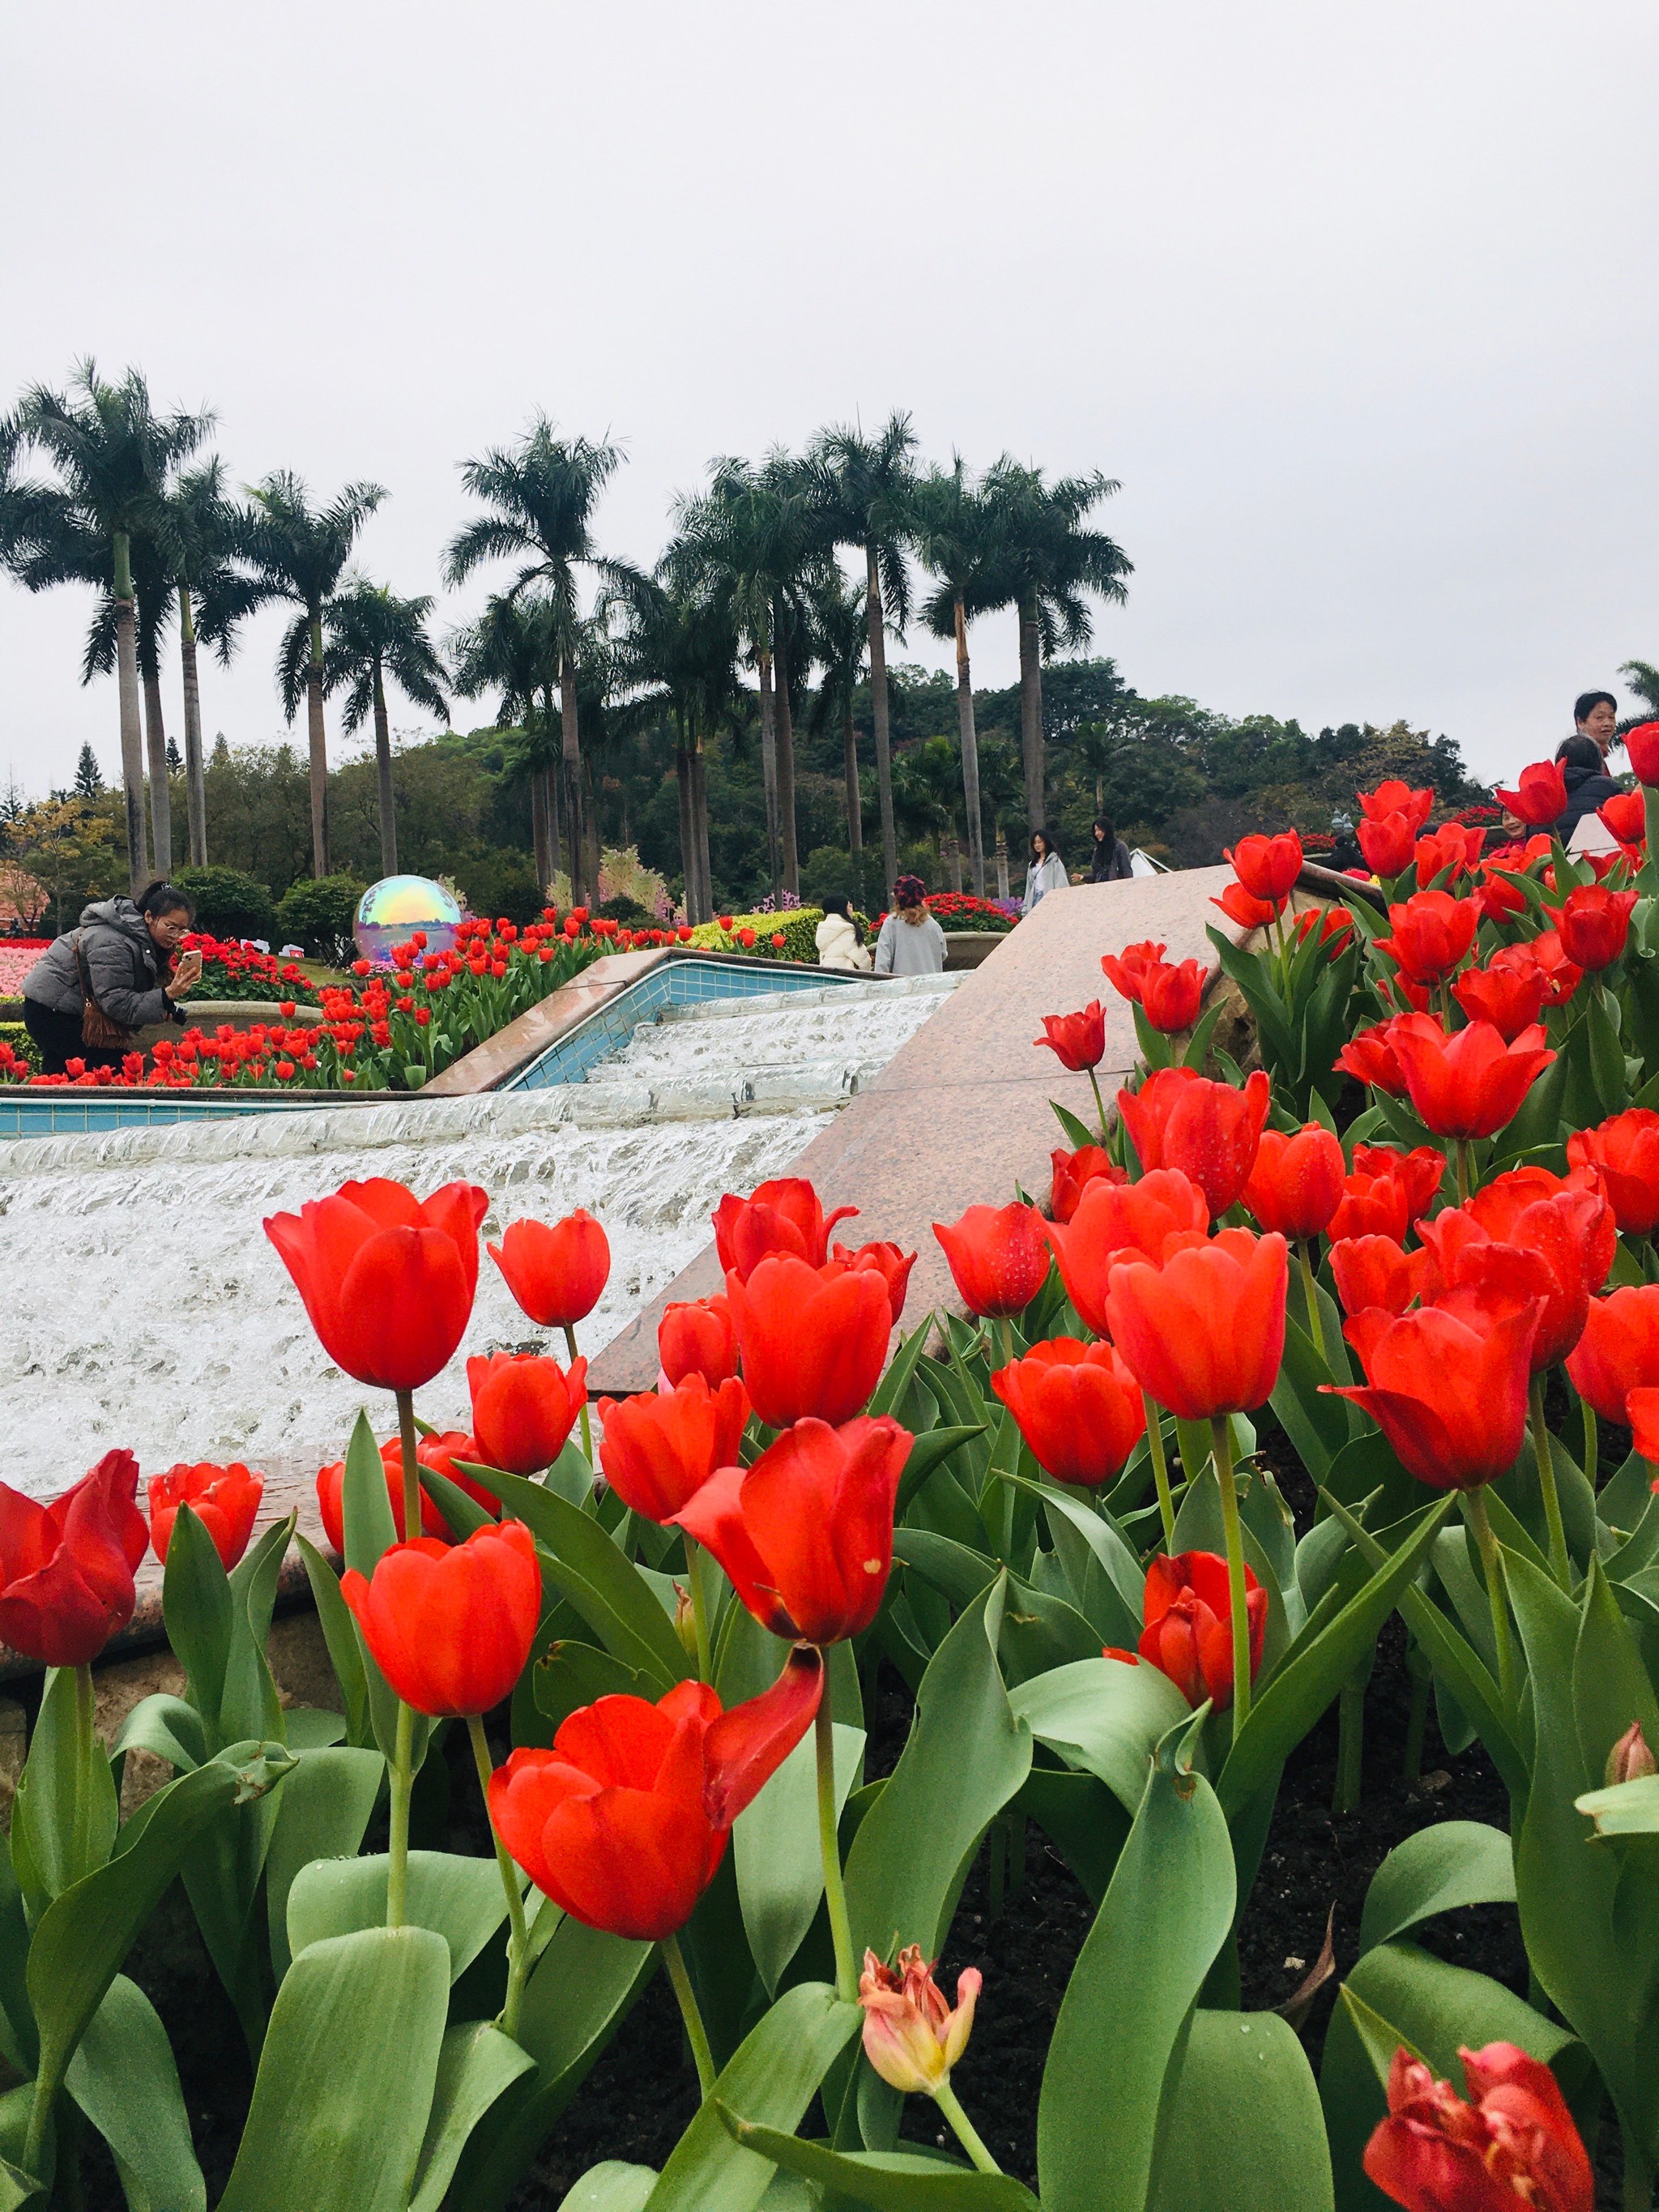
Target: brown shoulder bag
(97, 1030)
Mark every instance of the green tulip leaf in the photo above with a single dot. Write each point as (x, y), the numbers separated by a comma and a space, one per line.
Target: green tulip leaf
(612, 2186)
(460, 1509)
(900, 1371)
(124, 2078)
(957, 1571)
(1103, 1717)
(459, 1899)
(250, 1705)
(475, 2063)
(365, 1502)
(1629, 1808)
(340, 1634)
(197, 1606)
(1454, 1864)
(892, 2181)
(65, 1817)
(927, 1453)
(167, 1726)
(774, 1849)
(323, 1810)
(1082, 1819)
(1241, 2079)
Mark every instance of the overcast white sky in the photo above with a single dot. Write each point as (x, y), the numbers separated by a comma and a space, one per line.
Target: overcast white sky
(1357, 301)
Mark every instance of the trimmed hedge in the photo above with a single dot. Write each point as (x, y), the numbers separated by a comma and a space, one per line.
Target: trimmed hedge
(796, 924)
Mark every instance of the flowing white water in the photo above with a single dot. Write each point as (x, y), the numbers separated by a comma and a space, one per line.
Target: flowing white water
(149, 1309)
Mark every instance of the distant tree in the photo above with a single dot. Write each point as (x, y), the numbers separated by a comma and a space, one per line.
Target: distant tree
(513, 649)
(88, 776)
(1643, 678)
(372, 636)
(175, 759)
(840, 642)
(216, 594)
(959, 536)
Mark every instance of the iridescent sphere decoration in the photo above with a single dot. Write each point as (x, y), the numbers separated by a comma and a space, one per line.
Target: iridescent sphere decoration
(390, 912)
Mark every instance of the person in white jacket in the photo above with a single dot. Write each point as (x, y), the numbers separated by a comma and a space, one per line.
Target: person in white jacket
(838, 939)
(1046, 873)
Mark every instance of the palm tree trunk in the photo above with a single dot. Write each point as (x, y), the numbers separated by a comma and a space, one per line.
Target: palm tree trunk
(593, 790)
(571, 768)
(769, 721)
(538, 827)
(550, 783)
(849, 746)
(700, 830)
(318, 740)
(786, 773)
(195, 785)
(970, 755)
(1002, 864)
(161, 799)
(133, 741)
(683, 791)
(1030, 708)
(878, 705)
(953, 854)
(383, 763)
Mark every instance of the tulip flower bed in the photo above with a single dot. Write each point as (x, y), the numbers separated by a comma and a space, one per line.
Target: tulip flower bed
(1329, 1388)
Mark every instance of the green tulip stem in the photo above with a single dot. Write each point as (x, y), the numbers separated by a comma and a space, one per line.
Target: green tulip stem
(518, 1956)
(835, 1893)
(1316, 1326)
(1100, 1104)
(1160, 1469)
(1592, 1441)
(408, 1445)
(402, 1785)
(1465, 1171)
(1560, 1564)
(699, 1613)
(967, 2134)
(1221, 1435)
(1474, 1511)
(1005, 1339)
(1639, 2167)
(587, 1426)
(696, 2033)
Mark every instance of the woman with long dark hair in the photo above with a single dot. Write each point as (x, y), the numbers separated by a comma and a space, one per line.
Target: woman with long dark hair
(1046, 873)
(1109, 860)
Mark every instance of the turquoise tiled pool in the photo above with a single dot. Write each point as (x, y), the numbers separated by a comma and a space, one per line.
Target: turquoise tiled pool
(688, 982)
(71, 1114)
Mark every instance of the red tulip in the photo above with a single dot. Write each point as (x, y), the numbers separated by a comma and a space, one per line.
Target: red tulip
(1188, 1635)
(1393, 797)
(1509, 993)
(1387, 843)
(1543, 797)
(1433, 933)
(1332, 924)
(998, 1256)
(911, 2036)
(1642, 743)
(1075, 1172)
(1205, 1333)
(557, 1274)
(524, 1406)
(659, 1448)
(1124, 970)
(624, 1822)
(1564, 977)
(1268, 866)
(806, 1534)
(1451, 1398)
(1369, 1056)
(1209, 1131)
(1593, 923)
(1641, 1412)
(1625, 1152)
(1625, 815)
(1496, 898)
(224, 1499)
(697, 1337)
(1619, 1350)
(1386, 1191)
(450, 1625)
(785, 1216)
(1249, 913)
(1171, 996)
(1528, 1236)
(1452, 846)
(1297, 1183)
(387, 1280)
(811, 1342)
(1077, 1407)
(889, 1262)
(1076, 1040)
(1470, 1084)
(1114, 1221)
(66, 1568)
(1373, 1271)
(1514, 2148)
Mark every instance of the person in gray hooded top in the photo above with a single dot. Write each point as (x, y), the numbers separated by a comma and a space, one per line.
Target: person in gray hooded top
(911, 943)
(126, 953)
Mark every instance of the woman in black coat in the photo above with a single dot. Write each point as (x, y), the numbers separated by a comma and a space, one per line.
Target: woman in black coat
(128, 952)
(1109, 860)
(1583, 771)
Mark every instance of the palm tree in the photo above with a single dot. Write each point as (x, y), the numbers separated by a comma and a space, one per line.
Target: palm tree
(959, 537)
(841, 640)
(543, 495)
(297, 552)
(112, 454)
(1051, 563)
(215, 596)
(1643, 678)
(514, 647)
(372, 635)
(864, 487)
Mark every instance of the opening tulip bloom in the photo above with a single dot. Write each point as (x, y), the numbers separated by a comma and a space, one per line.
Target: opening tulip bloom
(786, 1216)
(998, 1256)
(1514, 2146)
(450, 1625)
(66, 1568)
(806, 1534)
(1451, 847)
(1387, 843)
(1509, 993)
(812, 1341)
(1470, 1084)
(523, 1408)
(1249, 913)
(1076, 1040)
(387, 1279)
(1541, 798)
(1188, 1635)
(1208, 1131)
(442, 1453)
(1116, 1221)
(1625, 815)
(1391, 796)
(224, 1499)
(1204, 1334)
(1077, 1407)
(1369, 1056)
(1373, 1271)
(658, 1449)
(1527, 1235)
(697, 1337)
(1268, 866)
(889, 1262)
(624, 1822)
(1171, 996)
(1642, 743)
(1124, 970)
(1641, 1413)
(1432, 934)
(1593, 923)
(557, 1272)
(1297, 1182)
(1386, 1191)
(1619, 1350)
(911, 2036)
(1074, 1171)
(1450, 1397)
(1624, 1153)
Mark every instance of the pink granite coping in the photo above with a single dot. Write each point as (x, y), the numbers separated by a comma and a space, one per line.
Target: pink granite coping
(961, 1114)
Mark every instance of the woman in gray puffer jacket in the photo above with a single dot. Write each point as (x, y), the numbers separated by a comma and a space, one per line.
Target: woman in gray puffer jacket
(132, 962)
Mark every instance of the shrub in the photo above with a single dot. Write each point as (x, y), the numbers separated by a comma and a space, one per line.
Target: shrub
(229, 903)
(961, 910)
(798, 928)
(318, 912)
(500, 884)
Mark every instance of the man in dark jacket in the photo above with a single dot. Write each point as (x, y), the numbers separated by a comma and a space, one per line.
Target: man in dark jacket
(130, 955)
